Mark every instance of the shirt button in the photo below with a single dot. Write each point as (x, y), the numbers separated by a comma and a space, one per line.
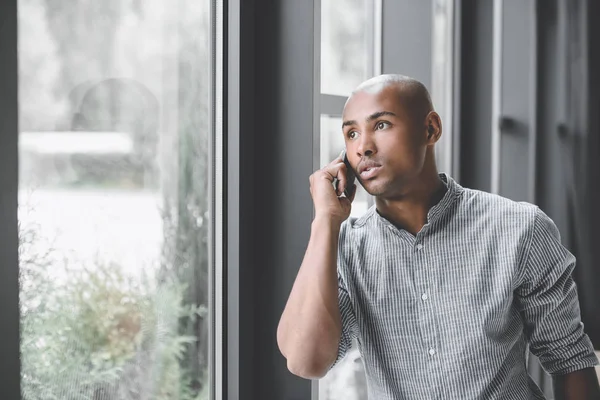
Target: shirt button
(431, 351)
(424, 296)
(419, 246)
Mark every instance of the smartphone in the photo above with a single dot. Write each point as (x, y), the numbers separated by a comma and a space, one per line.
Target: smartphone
(350, 177)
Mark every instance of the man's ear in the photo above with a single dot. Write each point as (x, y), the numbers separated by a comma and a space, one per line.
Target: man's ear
(434, 126)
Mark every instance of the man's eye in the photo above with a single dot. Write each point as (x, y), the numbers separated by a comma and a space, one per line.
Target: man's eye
(382, 125)
(352, 134)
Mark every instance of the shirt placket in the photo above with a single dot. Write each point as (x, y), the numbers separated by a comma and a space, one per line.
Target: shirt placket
(423, 284)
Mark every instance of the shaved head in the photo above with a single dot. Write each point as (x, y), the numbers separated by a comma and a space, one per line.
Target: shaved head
(412, 94)
(390, 129)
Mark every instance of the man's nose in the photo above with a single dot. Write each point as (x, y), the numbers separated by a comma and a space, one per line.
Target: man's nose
(366, 146)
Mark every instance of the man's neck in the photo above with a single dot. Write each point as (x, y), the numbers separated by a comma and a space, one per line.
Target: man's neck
(409, 211)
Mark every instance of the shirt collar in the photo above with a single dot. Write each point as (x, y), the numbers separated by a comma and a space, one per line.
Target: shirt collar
(453, 191)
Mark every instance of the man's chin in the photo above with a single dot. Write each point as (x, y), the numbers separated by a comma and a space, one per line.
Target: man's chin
(383, 188)
(374, 188)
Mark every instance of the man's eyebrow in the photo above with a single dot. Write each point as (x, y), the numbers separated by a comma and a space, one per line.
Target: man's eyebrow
(379, 115)
(370, 117)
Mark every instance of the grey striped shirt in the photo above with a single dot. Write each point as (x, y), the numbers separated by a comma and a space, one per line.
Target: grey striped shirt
(448, 314)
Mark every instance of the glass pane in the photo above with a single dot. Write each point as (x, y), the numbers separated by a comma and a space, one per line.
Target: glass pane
(332, 143)
(346, 44)
(113, 199)
(347, 380)
(442, 77)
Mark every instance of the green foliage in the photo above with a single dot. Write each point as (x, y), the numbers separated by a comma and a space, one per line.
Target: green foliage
(90, 331)
(95, 333)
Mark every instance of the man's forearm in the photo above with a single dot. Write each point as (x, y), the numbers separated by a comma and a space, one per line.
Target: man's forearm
(578, 385)
(310, 327)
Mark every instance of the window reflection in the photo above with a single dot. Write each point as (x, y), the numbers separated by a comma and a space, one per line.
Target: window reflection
(442, 77)
(113, 199)
(346, 49)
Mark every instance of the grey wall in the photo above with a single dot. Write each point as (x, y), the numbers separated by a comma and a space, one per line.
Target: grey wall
(545, 53)
(589, 280)
(476, 94)
(239, 153)
(518, 100)
(270, 160)
(406, 40)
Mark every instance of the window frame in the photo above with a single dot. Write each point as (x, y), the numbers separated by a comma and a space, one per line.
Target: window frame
(332, 105)
(10, 365)
(216, 264)
(241, 351)
(384, 61)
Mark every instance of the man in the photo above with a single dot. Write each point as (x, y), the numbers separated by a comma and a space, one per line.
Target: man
(443, 286)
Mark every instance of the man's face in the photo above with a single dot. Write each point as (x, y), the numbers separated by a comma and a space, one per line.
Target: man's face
(385, 145)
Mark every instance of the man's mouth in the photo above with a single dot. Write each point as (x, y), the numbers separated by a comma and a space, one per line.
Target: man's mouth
(369, 170)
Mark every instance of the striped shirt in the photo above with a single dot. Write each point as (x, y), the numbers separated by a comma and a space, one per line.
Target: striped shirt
(449, 313)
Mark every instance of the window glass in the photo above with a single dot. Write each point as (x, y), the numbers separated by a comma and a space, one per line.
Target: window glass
(442, 78)
(114, 198)
(347, 33)
(347, 380)
(346, 50)
(332, 143)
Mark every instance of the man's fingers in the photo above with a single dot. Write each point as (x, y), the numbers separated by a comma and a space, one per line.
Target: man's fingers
(338, 172)
(346, 202)
(334, 168)
(335, 161)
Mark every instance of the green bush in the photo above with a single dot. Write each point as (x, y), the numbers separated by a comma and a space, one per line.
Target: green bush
(97, 334)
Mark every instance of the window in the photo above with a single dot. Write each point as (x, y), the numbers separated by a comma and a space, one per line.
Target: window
(350, 50)
(115, 199)
(350, 54)
(346, 44)
(442, 82)
(332, 141)
(351, 38)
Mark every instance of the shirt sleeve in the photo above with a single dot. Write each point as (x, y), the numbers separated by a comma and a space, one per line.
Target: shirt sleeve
(349, 324)
(548, 302)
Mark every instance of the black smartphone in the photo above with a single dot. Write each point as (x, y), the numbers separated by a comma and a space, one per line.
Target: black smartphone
(350, 177)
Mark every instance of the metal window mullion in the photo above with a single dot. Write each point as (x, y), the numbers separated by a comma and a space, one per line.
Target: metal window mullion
(377, 37)
(496, 95)
(331, 105)
(317, 110)
(318, 100)
(456, 88)
(217, 199)
(533, 100)
(448, 93)
(232, 245)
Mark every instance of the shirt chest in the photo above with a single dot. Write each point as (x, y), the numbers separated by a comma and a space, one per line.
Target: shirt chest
(456, 285)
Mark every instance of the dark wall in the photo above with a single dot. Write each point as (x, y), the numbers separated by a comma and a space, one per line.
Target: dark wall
(476, 93)
(275, 160)
(589, 276)
(550, 136)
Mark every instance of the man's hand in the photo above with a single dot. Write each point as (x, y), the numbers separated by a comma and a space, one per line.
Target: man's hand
(310, 328)
(327, 200)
